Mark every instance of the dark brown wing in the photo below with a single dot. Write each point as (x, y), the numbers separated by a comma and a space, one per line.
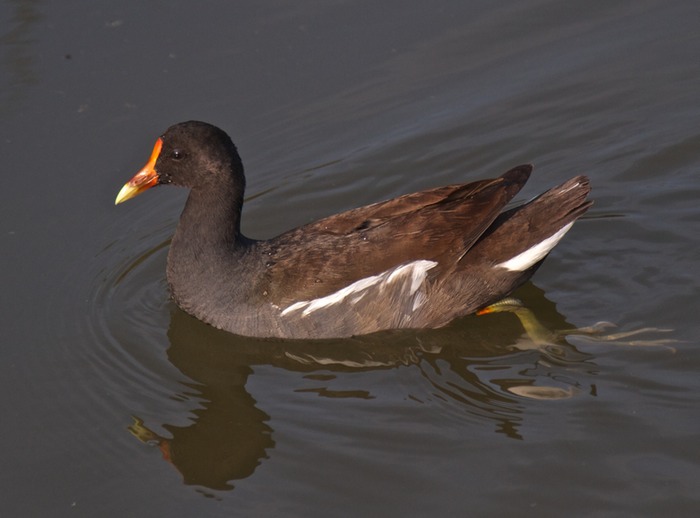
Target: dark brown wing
(440, 225)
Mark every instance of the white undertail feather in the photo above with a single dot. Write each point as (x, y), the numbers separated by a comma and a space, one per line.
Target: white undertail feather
(413, 273)
(534, 254)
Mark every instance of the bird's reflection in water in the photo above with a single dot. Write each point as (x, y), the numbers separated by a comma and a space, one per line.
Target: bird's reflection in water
(488, 368)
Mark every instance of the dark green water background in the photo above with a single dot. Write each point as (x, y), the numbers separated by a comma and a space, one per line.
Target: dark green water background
(333, 105)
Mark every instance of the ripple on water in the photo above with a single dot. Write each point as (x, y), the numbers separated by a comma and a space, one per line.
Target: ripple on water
(123, 326)
(185, 381)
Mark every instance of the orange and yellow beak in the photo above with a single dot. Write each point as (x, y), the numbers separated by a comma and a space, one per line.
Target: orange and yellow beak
(144, 179)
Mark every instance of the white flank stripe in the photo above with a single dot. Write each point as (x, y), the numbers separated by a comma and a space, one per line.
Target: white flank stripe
(532, 255)
(419, 300)
(334, 298)
(414, 272)
(417, 270)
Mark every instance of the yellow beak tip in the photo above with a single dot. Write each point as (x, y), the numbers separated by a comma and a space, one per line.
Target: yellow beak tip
(143, 180)
(127, 192)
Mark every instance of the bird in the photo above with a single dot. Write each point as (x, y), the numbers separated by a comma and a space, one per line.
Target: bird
(417, 261)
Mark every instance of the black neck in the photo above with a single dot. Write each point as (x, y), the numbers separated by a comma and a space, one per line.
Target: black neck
(208, 245)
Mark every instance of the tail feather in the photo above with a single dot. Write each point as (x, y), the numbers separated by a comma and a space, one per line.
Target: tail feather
(525, 234)
(509, 252)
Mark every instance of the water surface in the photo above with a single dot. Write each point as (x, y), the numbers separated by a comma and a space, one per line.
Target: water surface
(116, 403)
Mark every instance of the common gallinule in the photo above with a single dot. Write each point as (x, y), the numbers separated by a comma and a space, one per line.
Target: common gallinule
(416, 261)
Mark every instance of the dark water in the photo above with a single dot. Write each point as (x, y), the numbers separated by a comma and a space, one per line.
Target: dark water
(115, 403)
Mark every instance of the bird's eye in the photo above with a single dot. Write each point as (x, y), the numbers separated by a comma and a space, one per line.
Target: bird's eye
(177, 154)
